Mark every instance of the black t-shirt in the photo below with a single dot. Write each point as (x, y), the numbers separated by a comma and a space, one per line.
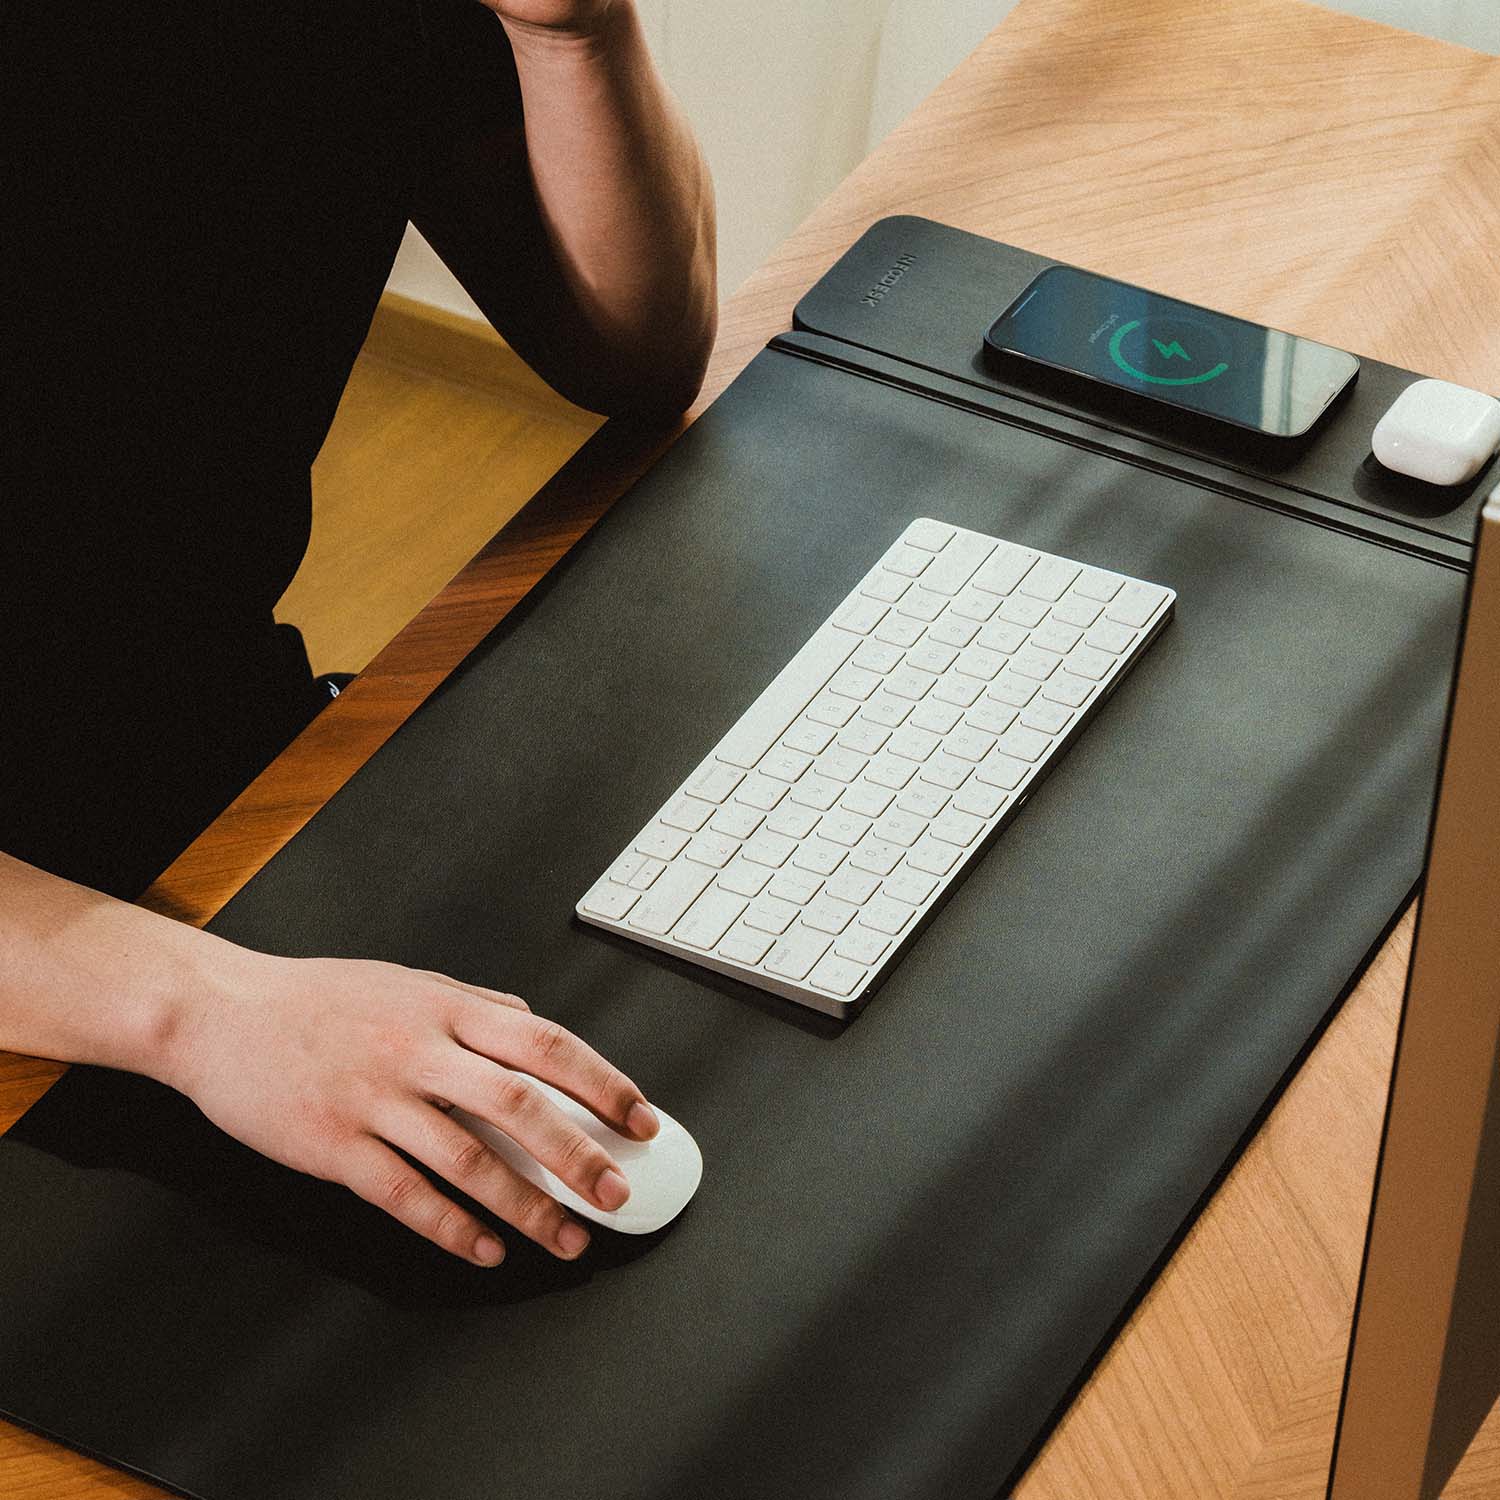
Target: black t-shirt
(210, 198)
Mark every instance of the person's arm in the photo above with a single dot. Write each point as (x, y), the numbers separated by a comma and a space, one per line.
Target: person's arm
(588, 240)
(323, 1064)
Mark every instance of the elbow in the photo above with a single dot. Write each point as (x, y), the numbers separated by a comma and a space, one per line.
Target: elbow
(655, 385)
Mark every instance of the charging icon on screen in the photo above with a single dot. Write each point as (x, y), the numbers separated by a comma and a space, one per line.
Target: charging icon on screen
(1167, 350)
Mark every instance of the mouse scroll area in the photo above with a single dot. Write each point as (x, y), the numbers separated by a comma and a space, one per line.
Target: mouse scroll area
(663, 1172)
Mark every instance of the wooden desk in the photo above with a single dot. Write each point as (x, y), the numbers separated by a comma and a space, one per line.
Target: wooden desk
(1275, 160)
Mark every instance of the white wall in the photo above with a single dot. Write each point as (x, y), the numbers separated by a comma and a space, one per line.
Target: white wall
(787, 95)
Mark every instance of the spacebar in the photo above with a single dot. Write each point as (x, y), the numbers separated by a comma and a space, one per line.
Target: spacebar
(790, 692)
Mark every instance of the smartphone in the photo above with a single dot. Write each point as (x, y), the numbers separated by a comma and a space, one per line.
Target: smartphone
(1168, 356)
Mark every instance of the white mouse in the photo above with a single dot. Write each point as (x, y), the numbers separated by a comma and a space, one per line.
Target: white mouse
(663, 1172)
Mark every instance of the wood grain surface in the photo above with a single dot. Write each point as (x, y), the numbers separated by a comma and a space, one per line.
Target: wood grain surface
(1277, 161)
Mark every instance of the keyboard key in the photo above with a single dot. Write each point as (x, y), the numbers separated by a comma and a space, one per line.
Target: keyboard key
(911, 885)
(946, 771)
(821, 856)
(770, 849)
(745, 946)
(785, 765)
(760, 792)
(979, 661)
(979, 800)
(956, 827)
(840, 764)
(861, 945)
(737, 821)
(909, 681)
(768, 914)
(798, 886)
(712, 849)
(930, 535)
(954, 566)
(1049, 578)
(876, 857)
(794, 956)
(935, 717)
(1009, 687)
(920, 604)
(890, 770)
(715, 782)
(610, 901)
(931, 656)
(830, 709)
(961, 691)
(1087, 662)
(1108, 636)
(646, 875)
(854, 886)
(828, 915)
(994, 717)
(912, 743)
(933, 856)
(1065, 688)
(910, 562)
(885, 710)
(709, 918)
(1055, 636)
(1095, 583)
(885, 915)
(1006, 567)
(1002, 771)
(816, 791)
(974, 605)
(661, 843)
(952, 631)
(687, 813)
(843, 827)
(897, 827)
(809, 738)
(1050, 718)
(884, 585)
(1073, 610)
(923, 801)
(854, 682)
(876, 656)
(969, 744)
(743, 878)
(836, 975)
(864, 737)
(1023, 743)
(792, 821)
(1135, 604)
(675, 890)
(861, 615)
(898, 630)
(1019, 611)
(1032, 661)
(867, 799)
(625, 867)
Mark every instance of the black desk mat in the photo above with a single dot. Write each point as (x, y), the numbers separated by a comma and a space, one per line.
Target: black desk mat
(916, 1232)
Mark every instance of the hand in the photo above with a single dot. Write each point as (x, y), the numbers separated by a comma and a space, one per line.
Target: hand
(326, 1064)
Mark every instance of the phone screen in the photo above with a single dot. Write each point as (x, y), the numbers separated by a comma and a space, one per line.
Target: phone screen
(1173, 352)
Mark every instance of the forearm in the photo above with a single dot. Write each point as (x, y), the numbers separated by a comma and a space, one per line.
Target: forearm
(625, 200)
(87, 978)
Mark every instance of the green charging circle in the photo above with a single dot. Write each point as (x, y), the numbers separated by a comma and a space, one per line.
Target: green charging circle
(1130, 369)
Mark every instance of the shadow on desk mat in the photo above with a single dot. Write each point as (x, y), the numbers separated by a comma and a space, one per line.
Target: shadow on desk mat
(915, 1233)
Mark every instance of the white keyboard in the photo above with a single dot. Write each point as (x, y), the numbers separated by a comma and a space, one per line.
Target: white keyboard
(804, 851)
